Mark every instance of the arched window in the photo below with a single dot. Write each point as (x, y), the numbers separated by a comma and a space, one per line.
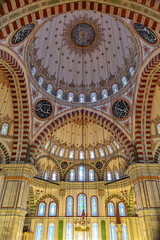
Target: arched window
(116, 174)
(82, 204)
(110, 149)
(52, 209)
(124, 80)
(125, 232)
(158, 128)
(69, 207)
(61, 153)
(121, 208)
(46, 175)
(71, 154)
(109, 176)
(4, 128)
(95, 231)
(33, 70)
(91, 175)
(41, 209)
(112, 230)
(92, 154)
(131, 70)
(101, 152)
(49, 88)
(115, 88)
(40, 173)
(46, 145)
(94, 206)
(70, 97)
(40, 80)
(136, 58)
(81, 155)
(72, 175)
(110, 209)
(39, 231)
(116, 145)
(54, 176)
(69, 231)
(54, 149)
(81, 174)
(104, 93)
(51, 230)
(82, 98)
(93, 97)
(60, 93)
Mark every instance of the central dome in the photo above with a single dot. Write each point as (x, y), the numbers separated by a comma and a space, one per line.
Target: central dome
(82, 52)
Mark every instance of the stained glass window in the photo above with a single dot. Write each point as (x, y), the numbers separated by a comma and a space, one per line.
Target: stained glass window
(40, 173)
(121, 208)
(94, 206)
(81, 155)
(110, 208)
(92, 154)
(40, 80)
(81, 174)
(69, 231)
(136, 58)
(54, 149)
(91, 175)
(115, 88)
(33, 71)
(95, 231)
(61, 153)
(125, 232)
(93, 97)
(69, 206)
(72, 175)
(112, 230)
(101, 152)
(116, 144)
(71, 154)
(158, 128)
(51, 230)
(46, 175)
(41, 209)
(60, 93)
(131, 70)
(82, 98)
(104, 93)
(109, 176)
(70, 97)
(49, 88)
(124, 80)
(116, 174)
(4, 128)
(82, 204)
(110, 149)
(52, 209)
(39, 230)
(47, 145)
(54, 176)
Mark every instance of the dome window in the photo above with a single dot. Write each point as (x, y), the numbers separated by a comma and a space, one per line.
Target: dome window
(40, 81)
(4, 128)
(70, 97)
(131, 70)
(124, 80)
(93, 97)
(116, 145)
(54, 149)
(47, 145)
(49, 88)
(61, 153)
(81, 155)
(115, 88)
(54, 176)
(109, 176)
(82, 98)
(71, 154)
(92, 154)
(104, 93)
(60, 93)
(110, 149)
(101, 152)
(33, 70)
(158, 128)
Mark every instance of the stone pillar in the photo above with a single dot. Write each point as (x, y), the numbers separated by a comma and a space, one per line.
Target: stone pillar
(145, 180)
(17, 180)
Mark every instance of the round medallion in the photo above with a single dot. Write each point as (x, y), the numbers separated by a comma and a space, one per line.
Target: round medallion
(120, 109)
(99, 165)
(43, 109)
(146, 34)
(83, 35)
(21, 34)
(64, 165)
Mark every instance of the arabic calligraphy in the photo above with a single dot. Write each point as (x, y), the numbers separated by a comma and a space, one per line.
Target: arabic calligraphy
(43, 109)
(120, 109)
(22, 33)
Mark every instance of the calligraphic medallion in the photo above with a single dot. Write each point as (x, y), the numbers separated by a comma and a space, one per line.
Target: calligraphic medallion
(120, 109)
(43, 109)
(21, 34)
